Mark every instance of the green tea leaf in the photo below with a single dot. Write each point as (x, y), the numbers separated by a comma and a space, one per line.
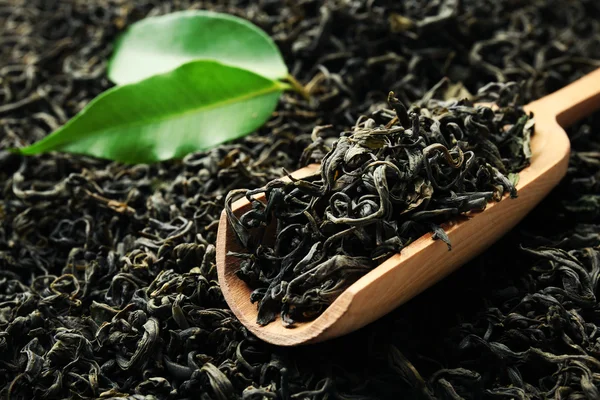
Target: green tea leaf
(194, 107)
(160, 44)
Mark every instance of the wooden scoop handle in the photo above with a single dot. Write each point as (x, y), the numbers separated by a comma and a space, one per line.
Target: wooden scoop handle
(571, 103)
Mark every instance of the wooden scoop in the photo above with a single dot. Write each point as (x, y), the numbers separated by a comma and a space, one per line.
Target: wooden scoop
(425, 261)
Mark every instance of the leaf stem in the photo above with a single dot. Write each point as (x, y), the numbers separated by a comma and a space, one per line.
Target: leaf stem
(297, 86)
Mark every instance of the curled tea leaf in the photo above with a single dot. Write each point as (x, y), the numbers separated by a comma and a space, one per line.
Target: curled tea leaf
(381, 186)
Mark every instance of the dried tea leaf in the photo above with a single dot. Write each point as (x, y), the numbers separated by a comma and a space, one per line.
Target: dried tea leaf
(381, 186)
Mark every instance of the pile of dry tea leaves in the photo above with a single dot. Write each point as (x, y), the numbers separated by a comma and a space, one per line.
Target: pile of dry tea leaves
(107, 272)
(395, 176)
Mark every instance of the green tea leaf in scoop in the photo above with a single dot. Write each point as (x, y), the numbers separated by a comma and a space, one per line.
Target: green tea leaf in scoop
(196, 106)
(160, 44)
